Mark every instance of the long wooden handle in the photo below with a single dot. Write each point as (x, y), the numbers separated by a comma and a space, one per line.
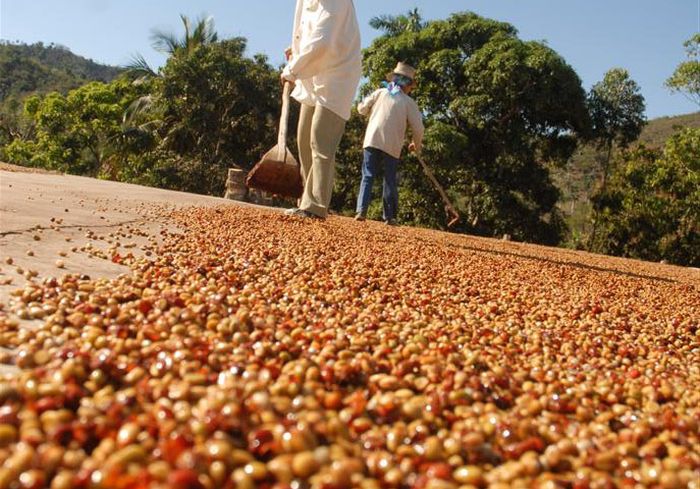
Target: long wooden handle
(437, 185)
(441, 191)
(284, 120)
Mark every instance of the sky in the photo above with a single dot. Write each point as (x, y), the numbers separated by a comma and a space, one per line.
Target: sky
(644, 36)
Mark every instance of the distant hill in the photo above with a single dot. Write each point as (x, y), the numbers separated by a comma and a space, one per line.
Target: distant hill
(581, 176)
(39, 68)
(659, 130)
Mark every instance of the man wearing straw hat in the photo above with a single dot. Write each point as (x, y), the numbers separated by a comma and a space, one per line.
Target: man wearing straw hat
(325, 64)
(389, 109)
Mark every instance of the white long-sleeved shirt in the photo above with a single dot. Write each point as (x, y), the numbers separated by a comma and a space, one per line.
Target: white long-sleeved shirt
(388, 115)
(326, 62)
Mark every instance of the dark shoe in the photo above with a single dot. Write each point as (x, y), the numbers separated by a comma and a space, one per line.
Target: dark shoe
(391, 222)
(360, 217)
(302, 213)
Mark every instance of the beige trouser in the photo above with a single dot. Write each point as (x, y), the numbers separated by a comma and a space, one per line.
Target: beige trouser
(319, 133)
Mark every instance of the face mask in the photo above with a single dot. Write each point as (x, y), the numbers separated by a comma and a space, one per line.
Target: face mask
(397, 84)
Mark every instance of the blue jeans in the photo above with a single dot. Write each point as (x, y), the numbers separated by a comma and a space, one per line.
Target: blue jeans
(373, 158)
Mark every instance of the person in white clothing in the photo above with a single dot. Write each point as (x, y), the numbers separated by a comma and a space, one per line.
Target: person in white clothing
(389, 109)
(325, 64)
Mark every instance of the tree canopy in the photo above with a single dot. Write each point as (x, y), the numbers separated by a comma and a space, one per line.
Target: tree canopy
(200, 33)
(78, 132)
(686, 78)
(209, 108)
(27, 70)
(616, 107)
(196, 34)
(499, 112)
(219, 110)
(394, 25)
(651, 208)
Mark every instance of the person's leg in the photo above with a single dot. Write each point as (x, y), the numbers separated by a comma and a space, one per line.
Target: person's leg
(326, 132)
(306, 116)
(369, 169)
(390, 194)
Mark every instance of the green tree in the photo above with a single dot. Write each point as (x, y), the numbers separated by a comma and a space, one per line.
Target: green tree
(686, 78)
(499, 111)
(200, 33)
(76, 133)
(211, 108)
(218, 110)
(37, 69)
(651, 209)
(394, 25)
(13, 124)
(616, 108)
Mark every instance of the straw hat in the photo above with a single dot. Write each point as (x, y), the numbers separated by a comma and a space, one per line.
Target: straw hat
(403, 69)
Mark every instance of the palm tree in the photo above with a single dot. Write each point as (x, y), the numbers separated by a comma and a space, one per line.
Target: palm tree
(395, 25)
(200, 33)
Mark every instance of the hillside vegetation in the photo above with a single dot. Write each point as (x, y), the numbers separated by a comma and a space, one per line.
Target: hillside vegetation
(657, 132)
(579, 179)
(40, 68)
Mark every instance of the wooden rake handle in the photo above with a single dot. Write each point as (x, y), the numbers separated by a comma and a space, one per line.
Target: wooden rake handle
(448, 204)
(284, 122)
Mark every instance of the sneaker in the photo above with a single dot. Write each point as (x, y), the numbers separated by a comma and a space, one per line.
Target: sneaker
(302, 213)
(360, 217)
(390, 222)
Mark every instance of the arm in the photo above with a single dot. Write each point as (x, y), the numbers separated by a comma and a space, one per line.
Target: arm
(309, 62)
(365, 107)
(294, 45)
(415, 120)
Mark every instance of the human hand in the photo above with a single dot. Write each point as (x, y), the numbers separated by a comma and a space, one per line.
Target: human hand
(288, 53)
(412, 148)
(284, 79)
